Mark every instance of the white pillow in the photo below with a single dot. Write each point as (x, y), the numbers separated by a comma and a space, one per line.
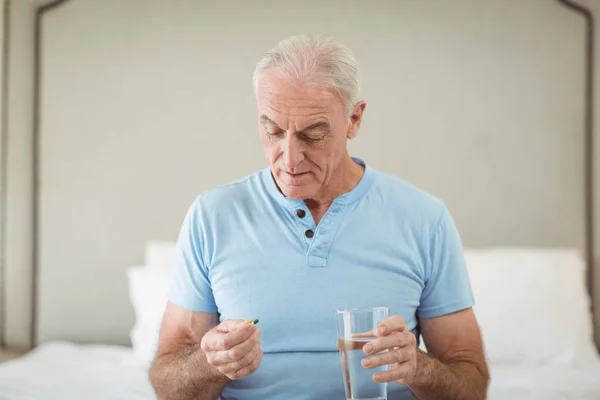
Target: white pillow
(148, 293)
(532, 305)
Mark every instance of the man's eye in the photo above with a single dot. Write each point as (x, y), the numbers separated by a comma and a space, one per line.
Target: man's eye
(276, 133)
(314, 138)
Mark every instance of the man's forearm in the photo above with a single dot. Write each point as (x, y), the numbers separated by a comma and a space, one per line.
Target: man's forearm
(458, 380)
(186, 375)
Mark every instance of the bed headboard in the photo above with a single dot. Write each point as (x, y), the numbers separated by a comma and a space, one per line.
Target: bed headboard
(139, 109)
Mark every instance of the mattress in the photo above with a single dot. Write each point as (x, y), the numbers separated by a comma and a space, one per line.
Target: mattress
(545, 383)
(65, 371)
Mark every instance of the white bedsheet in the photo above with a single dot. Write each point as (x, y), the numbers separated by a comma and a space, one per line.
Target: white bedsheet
(551, 383)
(66, 371)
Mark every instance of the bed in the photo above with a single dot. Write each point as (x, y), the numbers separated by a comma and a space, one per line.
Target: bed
(534, 313)
(63, 371)
(527, 383)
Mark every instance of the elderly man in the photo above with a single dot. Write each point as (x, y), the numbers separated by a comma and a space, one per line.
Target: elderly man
(316, 231)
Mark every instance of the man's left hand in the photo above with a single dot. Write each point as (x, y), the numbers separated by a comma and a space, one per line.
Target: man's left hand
(401, 355)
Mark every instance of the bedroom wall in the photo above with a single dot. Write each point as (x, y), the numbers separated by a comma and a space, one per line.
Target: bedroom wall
(142, 108)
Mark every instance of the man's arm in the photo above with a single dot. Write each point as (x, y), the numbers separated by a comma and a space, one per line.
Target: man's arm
(180, 370)
(455, 367)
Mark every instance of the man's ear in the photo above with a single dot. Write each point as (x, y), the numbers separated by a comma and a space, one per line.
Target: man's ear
(356, 119)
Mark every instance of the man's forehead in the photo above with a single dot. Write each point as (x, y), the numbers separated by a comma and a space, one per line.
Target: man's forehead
(286, 103)
(280, 113)
(299, 100)
(274, 88)
(297, 113)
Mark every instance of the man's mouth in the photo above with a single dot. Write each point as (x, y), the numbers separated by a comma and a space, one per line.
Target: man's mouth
(295, 175)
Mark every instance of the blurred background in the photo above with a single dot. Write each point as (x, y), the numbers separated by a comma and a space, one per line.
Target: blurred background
(116, 114)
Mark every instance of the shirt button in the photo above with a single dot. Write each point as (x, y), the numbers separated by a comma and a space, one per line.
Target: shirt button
(309, 233)
(301, 213)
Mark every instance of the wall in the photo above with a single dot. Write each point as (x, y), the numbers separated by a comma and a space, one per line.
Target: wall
(145, 107)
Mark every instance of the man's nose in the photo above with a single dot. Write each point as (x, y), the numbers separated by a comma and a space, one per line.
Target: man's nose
(293, 153)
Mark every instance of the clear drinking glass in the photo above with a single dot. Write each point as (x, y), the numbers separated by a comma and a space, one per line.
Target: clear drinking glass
(356, 327)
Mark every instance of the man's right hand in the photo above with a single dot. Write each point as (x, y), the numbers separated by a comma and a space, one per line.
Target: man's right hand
(233, 348)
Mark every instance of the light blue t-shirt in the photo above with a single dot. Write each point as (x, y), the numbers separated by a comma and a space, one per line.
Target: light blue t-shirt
(246, 251)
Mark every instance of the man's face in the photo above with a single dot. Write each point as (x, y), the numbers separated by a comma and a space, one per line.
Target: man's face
(303, 131)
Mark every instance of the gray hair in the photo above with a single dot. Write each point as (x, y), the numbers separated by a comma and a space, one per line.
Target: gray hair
(315, 59)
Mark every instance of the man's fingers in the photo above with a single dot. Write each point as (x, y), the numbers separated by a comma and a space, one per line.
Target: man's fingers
(394, 339)
(247, 370)
(233, 348)
(231, 325)
(389, 357)
(216, 340)
(243, 333)
(242, 362)
(237, 352)
(392, 324)
(397, 374)
(368, 334)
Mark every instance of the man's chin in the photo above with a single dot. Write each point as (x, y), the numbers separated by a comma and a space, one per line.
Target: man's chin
(296, 192)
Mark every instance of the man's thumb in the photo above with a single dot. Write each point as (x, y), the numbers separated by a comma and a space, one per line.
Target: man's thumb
(230, 325)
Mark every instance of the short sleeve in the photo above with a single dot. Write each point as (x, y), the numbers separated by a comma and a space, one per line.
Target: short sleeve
(191, 286)
(447, 286)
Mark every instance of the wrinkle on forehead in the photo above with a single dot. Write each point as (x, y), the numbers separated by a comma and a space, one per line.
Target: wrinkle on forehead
(283, 99)
(289, 101)
(295, 110)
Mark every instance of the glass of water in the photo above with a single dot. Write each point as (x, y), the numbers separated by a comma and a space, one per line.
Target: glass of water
(356, 327)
